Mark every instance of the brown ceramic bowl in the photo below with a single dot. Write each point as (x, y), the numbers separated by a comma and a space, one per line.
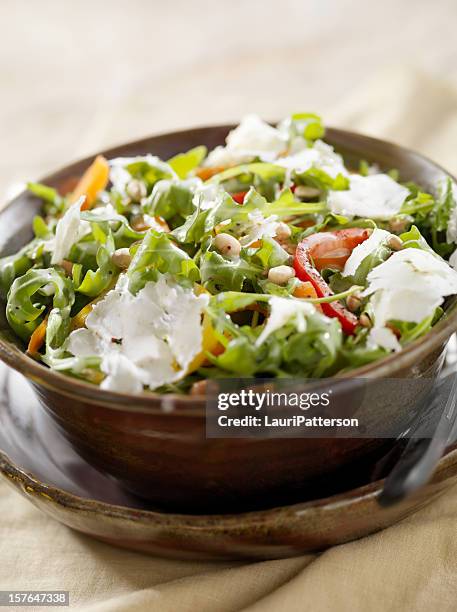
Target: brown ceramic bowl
(155, 445)
(37, 460)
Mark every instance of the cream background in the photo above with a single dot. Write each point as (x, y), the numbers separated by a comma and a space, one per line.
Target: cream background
(78, 76)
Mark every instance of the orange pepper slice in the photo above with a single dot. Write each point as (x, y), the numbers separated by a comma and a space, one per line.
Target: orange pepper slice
(37, 338)
(94, 179)
(207, 173)
(306, 290)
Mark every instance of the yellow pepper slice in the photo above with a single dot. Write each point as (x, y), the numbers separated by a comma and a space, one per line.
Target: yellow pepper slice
(79, 320)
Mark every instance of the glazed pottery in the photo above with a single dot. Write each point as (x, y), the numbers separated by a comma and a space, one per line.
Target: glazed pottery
(37, 460)
(156, 445)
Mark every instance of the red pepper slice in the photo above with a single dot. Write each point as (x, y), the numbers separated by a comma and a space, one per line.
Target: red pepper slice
(239, 196)
(329, 249)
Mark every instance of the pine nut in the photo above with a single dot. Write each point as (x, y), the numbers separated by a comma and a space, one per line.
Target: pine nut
(365, 320)
(281, 274)
(398, 225)
(227, 245)
(121, 258)
(395, 243)
(136, 190)
(304, 192)
(353, 302)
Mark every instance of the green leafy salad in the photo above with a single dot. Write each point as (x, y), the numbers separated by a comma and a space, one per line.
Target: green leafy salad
(266, 257)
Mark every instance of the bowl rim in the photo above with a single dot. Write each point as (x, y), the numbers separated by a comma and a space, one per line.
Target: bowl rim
(174, 404)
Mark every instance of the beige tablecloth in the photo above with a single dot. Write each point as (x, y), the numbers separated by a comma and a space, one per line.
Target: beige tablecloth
(410, 566)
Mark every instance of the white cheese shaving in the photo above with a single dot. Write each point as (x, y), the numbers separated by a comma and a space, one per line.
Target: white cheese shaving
(68, 231)
(453, 260)
(145, 340)
(404, 305)
(320, 155)
(284, 311)
(105, 213)
(258, 227)
(119, 176)
(409, 286)
(123, 375)
(251, 139)
(207, 195)
(162, 186)
(364, 249)
(377, 196)
(383, 337)
(71, 228)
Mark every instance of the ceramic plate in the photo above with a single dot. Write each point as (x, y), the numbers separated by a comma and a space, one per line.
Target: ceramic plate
(37, 461)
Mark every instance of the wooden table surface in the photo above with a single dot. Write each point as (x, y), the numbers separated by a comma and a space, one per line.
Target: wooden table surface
(76, 76)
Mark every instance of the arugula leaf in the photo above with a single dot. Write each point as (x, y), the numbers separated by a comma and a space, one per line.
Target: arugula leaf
(123, 236)
(414, 239)
(241, 357)
(280, 290)
(316, 177)
(40, 228)
(265, 171)
(284, 352)
(157, 253)
(100, 275)
(231, 301)
(269, 254)
(364, 167)
(314, 351)
(170, 200)
(28, 298)
(96, 281)
(373, 259)
(411, 331)
(444, 205)
(226, 208)
(54, 203)
(183, 163)
(85, 368)
(421, 203)
(84, 253)
(11, 267)
(355, 356)
(201, 223)
(307, 125)
(150, 171)
(339, 283)
(439, 218)
(17, 264)
(193, 230)
(287, 206)
(220, 274)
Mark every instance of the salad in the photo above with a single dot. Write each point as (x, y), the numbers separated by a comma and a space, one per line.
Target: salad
(266, 257)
